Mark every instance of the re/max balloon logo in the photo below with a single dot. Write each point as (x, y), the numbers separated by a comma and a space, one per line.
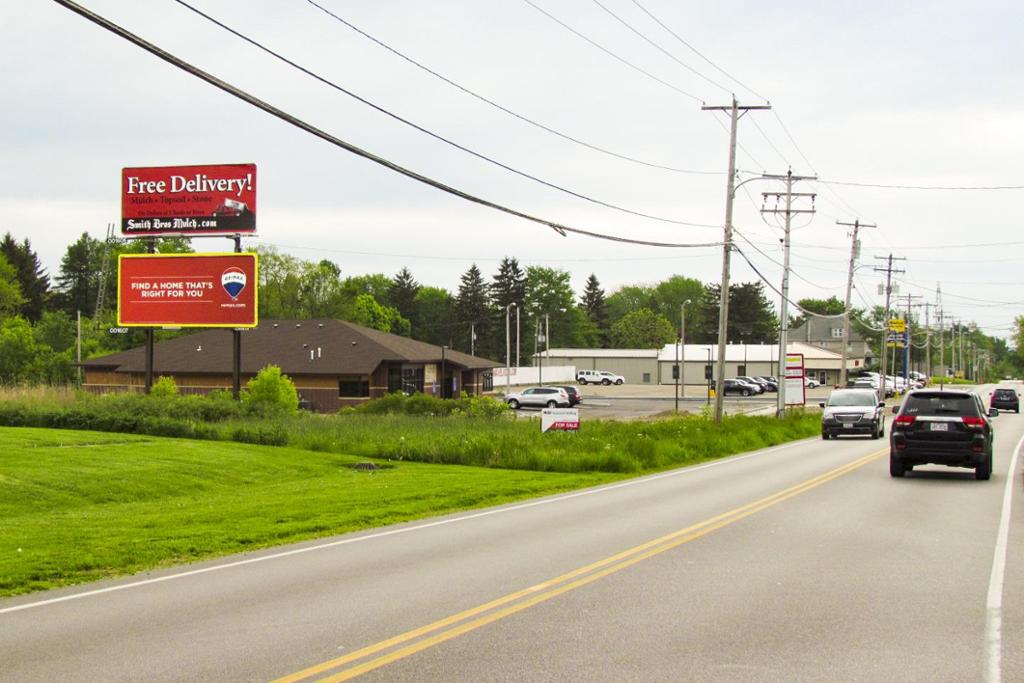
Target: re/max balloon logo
(233, 281)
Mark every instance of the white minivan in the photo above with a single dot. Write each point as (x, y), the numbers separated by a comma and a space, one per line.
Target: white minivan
(598, 377)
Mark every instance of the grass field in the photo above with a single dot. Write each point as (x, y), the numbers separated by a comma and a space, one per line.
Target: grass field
(78, 506)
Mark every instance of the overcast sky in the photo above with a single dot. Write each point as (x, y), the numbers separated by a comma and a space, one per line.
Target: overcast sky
(924, 93)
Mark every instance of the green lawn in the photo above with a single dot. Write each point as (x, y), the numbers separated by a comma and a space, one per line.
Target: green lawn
(78, 506)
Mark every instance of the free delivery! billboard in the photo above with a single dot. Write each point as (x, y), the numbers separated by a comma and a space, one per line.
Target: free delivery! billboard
(187, 290)
(188, 200)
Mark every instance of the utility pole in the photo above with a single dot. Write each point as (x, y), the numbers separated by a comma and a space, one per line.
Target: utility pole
(854, 255)
(789, 179)
(888, 270)
(927, 339)
(907, 339)
(734, 110)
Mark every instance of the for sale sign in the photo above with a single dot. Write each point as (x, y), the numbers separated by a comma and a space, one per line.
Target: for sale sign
(560, 419)
(188, 200)
(186, 290)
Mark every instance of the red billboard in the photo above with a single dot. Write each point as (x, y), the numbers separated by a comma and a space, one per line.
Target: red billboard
(188, 200)
(186, 290)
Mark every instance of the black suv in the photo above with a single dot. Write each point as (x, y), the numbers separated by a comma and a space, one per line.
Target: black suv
(1005, 399)
(944, 428)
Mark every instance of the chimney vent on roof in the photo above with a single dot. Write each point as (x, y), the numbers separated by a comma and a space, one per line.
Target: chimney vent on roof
(298, 324)
(318, 355)
(199, 348)
(353, 343)
(275, 325)
(305, 346)
(319, 324)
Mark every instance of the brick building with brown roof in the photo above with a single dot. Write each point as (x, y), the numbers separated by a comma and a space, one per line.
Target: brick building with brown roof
(333, 363)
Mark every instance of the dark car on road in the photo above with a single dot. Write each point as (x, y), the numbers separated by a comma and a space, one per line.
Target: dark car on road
(1005, 399)
(852, 411)
(943, 428)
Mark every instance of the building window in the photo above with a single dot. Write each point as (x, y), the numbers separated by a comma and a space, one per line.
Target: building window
(354, 387)
(488, 378)
(647, 378)
(741, 370)
(837, 333)
(405, 378)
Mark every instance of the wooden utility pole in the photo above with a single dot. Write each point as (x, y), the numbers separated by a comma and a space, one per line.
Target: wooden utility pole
(888, 270)
(789, 179)
(854, 254)
(734, 110)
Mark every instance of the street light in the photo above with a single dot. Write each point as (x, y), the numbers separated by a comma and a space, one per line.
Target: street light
(508, 349)
(681, 366)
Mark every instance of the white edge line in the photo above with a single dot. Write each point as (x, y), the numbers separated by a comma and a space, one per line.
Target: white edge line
(994, 600)
(402, 530)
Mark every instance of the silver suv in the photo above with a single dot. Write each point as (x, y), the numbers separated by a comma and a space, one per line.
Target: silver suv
(852, 411)
(547, 397)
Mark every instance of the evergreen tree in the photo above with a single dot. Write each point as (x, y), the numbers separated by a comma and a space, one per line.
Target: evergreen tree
(472, 305)
(402, 294)
(508, 286)
(80, 272)
(593, 304)
(752, 320)
(31, 276)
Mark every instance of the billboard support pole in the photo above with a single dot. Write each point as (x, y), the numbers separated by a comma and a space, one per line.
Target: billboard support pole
(236, 345)
(150, 248)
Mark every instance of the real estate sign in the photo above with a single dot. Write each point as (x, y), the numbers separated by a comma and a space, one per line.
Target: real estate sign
(187, 290)
(188, 200)
(560, 419)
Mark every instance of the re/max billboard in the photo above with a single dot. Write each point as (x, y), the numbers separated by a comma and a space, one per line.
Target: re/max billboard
(187, 290)
(188, 200)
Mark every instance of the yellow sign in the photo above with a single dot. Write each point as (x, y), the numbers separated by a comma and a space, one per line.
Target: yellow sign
(897, 325)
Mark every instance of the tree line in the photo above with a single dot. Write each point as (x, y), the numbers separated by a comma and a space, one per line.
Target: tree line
(38, 315)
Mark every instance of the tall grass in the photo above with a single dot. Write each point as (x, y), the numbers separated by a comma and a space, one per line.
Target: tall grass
(474, 432)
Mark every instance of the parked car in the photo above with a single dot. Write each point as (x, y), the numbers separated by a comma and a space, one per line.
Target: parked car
(852, 411)
(761, 385)
(944, 428)
(575, 397)
(769, 382)
(548, 397)
(736, 386)
(810, 382)
(598, 377)
(1005, 398)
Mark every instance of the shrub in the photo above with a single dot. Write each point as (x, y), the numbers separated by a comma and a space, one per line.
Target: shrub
(164, 387)
(272, 391)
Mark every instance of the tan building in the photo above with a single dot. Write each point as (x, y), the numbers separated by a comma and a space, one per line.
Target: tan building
(333, 363)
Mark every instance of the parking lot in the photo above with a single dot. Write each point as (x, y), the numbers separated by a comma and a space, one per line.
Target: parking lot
(627, 402)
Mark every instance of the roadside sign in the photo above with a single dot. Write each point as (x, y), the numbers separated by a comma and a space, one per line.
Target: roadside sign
(187, 290)
(898, 325)
(188, 200)
(560, 419)
(795, 389)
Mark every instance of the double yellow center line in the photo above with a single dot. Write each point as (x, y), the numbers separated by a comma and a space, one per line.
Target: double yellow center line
(419, 639)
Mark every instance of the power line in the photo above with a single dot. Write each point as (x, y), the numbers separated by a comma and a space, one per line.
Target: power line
(434, 135)
(660, 48)
(349, 147)
(612, 54)
(502, 108)
(697, 52)
(885, 186)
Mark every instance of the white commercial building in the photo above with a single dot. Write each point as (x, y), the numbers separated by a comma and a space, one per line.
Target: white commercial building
(654, 366)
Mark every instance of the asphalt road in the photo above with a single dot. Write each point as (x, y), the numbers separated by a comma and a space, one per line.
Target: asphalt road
(804, 562)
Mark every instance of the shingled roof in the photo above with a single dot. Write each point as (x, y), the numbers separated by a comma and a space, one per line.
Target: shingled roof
(299, 347)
